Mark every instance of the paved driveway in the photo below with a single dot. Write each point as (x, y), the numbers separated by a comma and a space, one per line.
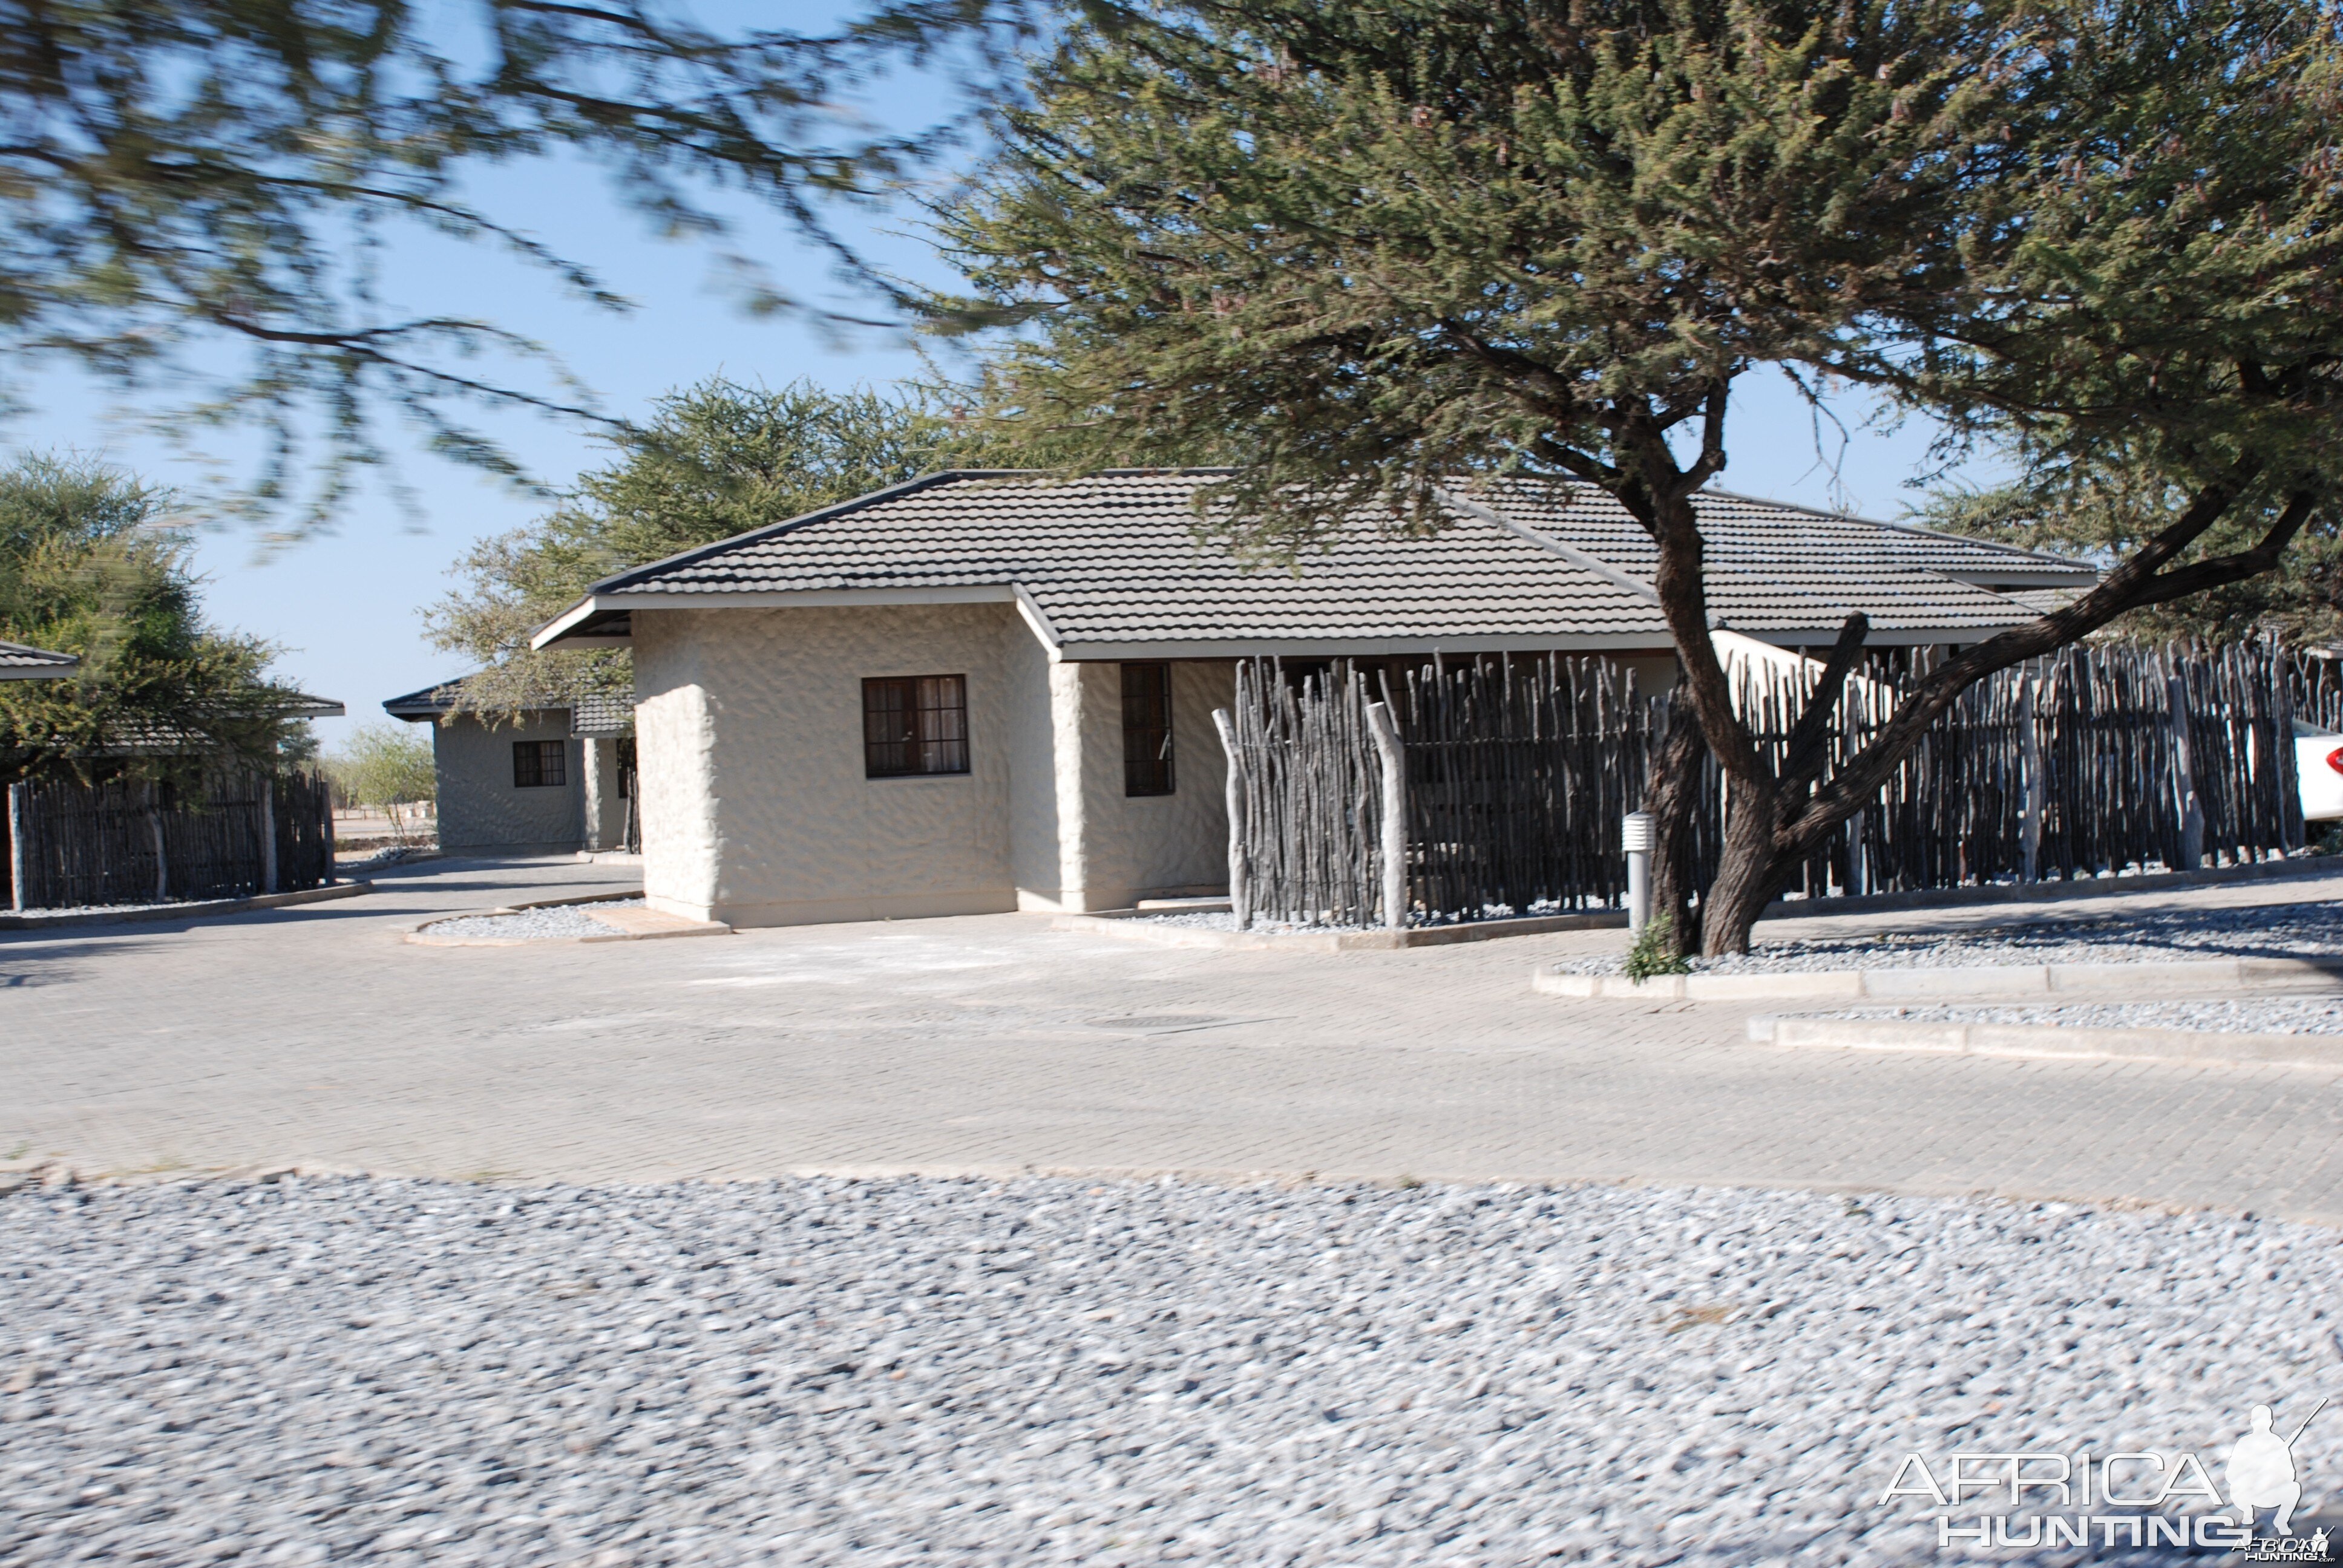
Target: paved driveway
(316, 1037)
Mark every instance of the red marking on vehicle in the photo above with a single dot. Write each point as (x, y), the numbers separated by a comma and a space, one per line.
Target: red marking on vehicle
(2335, 760)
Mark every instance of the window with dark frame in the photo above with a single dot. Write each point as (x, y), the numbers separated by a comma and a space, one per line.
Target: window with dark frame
(1147, 730)
(538, 764)
(914, 724)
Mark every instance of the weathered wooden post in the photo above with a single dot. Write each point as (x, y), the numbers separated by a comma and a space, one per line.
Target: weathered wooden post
(2032, 794)
(1240, 895)
(1858, 859)
(267, 835)
(20, 853)
(162, 854)
(1380, 726)
(2184, 775)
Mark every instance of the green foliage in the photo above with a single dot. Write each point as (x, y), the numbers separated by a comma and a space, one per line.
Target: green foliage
(384, 764)
(1654, 950)
(2109, 516)
(1363, 250)
(714, 460)
(85, 569)
(211, 174)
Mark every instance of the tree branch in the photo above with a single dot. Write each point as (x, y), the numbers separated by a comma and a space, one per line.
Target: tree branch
(1803, 759)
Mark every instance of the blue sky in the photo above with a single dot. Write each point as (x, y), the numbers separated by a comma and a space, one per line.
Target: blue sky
(345, 605)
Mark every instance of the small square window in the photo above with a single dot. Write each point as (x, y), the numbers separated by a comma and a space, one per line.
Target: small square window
(541, 764)
(914, 724)
(1147, 730)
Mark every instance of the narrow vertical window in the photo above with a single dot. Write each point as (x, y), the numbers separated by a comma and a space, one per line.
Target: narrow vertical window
(914, 724)
(1147, 730)
(538, 764)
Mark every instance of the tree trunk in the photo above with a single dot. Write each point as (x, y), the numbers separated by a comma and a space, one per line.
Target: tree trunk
(1671, 795)
(1750, 873)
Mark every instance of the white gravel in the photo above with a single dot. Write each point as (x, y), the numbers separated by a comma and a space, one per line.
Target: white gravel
(2268, 930)
(1044, 1372)
(561, 923)
(2266, 1015)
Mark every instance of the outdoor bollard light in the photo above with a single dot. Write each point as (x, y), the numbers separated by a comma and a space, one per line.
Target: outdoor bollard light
(1635, 838)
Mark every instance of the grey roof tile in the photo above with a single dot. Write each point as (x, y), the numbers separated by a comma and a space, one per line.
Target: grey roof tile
(1114, 559)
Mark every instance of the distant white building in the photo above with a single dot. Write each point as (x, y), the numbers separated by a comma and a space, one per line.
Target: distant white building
(558, 780)
(984, 691)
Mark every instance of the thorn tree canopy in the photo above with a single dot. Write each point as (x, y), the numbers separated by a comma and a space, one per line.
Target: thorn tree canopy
(1370, 248)
(188, 184)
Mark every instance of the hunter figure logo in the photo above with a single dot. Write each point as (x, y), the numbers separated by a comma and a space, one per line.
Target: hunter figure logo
(2150, 1487)
(2261, 1472)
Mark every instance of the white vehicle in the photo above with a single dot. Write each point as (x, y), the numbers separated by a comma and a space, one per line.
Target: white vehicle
(2318, 767)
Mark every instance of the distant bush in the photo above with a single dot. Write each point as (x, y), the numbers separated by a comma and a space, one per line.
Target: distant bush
(386, 765)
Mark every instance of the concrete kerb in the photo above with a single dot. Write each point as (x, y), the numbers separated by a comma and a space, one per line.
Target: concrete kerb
(2187, 977)
(2051, 1042)
(1120, 922)
(39, 921)
(629, 924)
(1135, 925)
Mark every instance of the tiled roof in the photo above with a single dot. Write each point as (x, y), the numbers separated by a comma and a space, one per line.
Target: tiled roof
(18, 662)
(598, 714)
(1112, 564)
(602, 714)
(1773, 569)
(165, 737)
(428, 703)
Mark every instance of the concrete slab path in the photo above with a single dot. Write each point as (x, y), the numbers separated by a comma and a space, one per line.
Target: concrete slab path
(319, 1037)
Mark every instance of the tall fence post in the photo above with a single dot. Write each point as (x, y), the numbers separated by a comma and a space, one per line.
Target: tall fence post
(269, 835)
(2033, 790)
(162, 853)
(1394, 801)
(2184, 775)
(1240, 895)
(20, 854)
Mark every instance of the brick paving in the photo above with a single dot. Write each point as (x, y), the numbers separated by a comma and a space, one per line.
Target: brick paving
(318, 1036)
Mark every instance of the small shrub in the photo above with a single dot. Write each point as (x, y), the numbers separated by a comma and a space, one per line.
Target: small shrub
(1655, 952)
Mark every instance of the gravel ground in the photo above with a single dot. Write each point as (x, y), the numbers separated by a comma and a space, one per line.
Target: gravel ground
(2268, 1015)
(560, 923)
(2280, 931)
(1059, 1372)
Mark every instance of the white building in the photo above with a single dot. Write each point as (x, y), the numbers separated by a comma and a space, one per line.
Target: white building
(558, 778)
(977, 692)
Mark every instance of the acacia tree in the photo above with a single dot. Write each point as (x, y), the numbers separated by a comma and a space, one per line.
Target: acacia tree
(1374, 249)
(207, 186)
(84, 569)
(713, 460)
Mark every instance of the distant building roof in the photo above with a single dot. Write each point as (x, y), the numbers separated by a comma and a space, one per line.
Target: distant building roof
(1110, 567)
(595, 714)
(18, 662)
(166, 739)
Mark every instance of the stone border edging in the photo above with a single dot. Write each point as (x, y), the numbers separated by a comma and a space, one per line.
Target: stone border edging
(1135, 925)
(1113, 922)
(2052, 1041)
(620, 931)
(2186, 976)
(35, 921)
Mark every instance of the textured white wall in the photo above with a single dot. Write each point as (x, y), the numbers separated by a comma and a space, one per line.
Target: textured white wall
(604, 810)
(1128, 848)
(480, 808)
(748, 729)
